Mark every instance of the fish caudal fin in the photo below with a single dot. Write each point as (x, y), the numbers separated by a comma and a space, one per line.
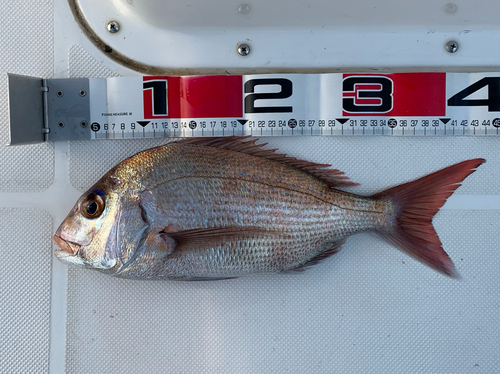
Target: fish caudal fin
(415, 204)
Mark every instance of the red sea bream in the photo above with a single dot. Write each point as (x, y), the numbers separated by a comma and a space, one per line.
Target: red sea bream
(214, 208)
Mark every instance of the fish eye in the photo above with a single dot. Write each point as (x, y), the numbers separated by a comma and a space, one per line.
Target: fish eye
(93, 206)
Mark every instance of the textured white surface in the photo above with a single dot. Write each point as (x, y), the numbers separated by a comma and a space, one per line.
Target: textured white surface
(368, 309)
(27, 47)
(25, 234)
(25, 283)
(82, 65)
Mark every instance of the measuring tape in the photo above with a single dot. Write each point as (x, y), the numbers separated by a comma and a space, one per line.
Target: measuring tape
(405, 104)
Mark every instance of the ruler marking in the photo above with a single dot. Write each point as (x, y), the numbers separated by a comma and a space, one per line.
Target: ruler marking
(439, 113)
(439, 110)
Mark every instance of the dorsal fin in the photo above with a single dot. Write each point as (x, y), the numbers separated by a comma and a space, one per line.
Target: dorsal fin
(332, 177)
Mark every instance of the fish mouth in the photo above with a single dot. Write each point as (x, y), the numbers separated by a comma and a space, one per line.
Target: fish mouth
(67, 247)
(68, 253)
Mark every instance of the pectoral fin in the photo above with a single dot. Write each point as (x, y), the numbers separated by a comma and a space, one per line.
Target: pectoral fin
(204, 238)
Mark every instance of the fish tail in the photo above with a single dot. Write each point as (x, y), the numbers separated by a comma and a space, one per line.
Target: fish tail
(414, 205)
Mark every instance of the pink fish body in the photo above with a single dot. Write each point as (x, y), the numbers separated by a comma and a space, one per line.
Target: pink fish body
(225, 207)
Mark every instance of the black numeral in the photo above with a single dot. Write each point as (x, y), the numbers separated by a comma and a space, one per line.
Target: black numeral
(361, 92)
(492, 102)
(285, 92)
(159, 96)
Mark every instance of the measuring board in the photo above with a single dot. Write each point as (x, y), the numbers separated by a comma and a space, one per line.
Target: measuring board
(403, 104)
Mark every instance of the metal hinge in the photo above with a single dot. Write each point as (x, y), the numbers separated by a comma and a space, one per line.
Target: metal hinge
(48, 109)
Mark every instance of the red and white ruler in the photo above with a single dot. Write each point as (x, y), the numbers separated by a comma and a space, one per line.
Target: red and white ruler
(410, 104)
(404, 104)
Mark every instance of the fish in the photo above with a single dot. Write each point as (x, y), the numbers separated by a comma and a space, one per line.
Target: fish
(221, 208)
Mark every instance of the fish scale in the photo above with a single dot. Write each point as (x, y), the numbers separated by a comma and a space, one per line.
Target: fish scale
(235, 195)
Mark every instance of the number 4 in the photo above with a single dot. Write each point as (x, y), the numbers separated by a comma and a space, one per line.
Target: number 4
(492, 102)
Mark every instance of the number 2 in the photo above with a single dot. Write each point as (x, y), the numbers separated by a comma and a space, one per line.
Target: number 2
(285, 92)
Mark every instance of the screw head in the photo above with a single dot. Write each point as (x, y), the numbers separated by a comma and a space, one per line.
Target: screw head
(83, 93)
(83, 124)
(243, 49)
(113, 26)
(60, 94)
(60, 124)
(452, 46)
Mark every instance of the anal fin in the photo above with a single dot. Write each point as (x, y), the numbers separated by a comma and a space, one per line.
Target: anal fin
(335, 247)
(200, 279)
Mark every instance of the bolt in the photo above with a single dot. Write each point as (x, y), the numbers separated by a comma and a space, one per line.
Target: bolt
(83, 124)
(113, 26)
(83, 93)
(452, 46)
(60, 124)
(60, 94)
(244, 49)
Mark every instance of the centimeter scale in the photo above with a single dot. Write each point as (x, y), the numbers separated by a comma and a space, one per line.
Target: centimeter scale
(404, 104)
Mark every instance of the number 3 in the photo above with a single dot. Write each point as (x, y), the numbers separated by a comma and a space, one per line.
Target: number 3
(364, 94)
